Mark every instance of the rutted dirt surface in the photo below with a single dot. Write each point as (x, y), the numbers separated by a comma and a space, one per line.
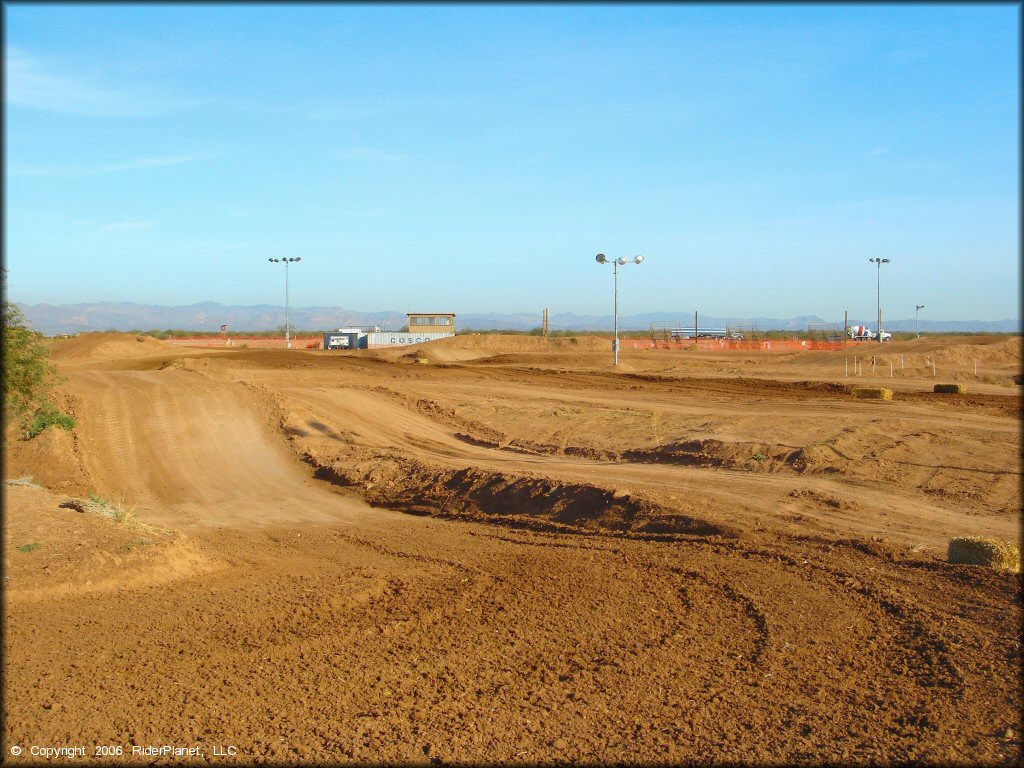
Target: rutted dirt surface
(515, 553)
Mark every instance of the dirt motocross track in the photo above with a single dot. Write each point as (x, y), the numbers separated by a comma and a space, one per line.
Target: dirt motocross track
(501, 549)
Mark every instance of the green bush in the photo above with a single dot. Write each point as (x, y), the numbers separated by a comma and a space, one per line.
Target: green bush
(29, 377)
(28, 373)
(48, 416)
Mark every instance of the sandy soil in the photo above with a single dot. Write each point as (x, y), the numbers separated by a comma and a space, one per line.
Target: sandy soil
(503, 549)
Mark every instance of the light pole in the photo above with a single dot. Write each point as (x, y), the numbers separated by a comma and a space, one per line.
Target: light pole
(602, 259)
(917, 309)
(878, 288)
(287, 323)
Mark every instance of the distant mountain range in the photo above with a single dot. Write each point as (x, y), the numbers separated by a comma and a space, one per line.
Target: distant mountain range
(209, 316)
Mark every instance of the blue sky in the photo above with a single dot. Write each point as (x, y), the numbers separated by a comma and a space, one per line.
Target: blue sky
(475, 158)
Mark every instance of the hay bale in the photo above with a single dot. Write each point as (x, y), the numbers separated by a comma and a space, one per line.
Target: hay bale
(950, 389)
(982, 550)
(873, 393)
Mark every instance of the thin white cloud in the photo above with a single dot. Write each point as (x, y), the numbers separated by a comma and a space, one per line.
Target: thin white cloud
(125, 226)
(85, 170)
(365, 213)
(34, 84)
(876, 152)
(214, 247)
(367, 154)
(890, 202)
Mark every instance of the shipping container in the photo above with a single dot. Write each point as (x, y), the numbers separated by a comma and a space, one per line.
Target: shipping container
(386, 339)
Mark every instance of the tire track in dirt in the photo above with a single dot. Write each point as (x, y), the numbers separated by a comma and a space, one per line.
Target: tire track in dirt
(876, 450)
(176, 441)
(415, 453)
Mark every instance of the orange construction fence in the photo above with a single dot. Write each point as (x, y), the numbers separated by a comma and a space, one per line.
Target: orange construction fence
(251, 342)
(763, 345)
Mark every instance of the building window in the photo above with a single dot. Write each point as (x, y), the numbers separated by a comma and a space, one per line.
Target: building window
(430, 320)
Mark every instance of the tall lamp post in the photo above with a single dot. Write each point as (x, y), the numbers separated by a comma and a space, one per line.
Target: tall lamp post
(287, 322)
(917, 309)
(878, 289)
(602, 259)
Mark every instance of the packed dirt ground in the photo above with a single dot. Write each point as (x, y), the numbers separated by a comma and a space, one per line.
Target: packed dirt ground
(503, 549)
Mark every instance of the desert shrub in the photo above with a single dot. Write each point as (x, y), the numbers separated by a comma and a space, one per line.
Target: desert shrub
(28, 373)
(29, 377)
(48, 416)
(154, 332)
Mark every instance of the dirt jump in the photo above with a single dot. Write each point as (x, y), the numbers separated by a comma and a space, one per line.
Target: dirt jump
(505, 549)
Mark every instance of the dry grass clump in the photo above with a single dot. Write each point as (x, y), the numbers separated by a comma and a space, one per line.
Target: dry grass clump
(118, 511)
(873, 393)
(982, 550)
(950, 389)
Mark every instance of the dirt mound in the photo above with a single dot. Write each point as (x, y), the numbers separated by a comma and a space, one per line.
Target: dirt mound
(489, 344)
(496, 343)
(52, 458)
(180, 443)
(994, 349)
(1004, 352)
(495, 347)
(515, 500)
(56, 547)
(108, 346)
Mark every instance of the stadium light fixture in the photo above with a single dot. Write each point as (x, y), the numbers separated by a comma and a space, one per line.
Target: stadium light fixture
(878, 289)
(917, 308)
(602, 259)
(287, 321)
